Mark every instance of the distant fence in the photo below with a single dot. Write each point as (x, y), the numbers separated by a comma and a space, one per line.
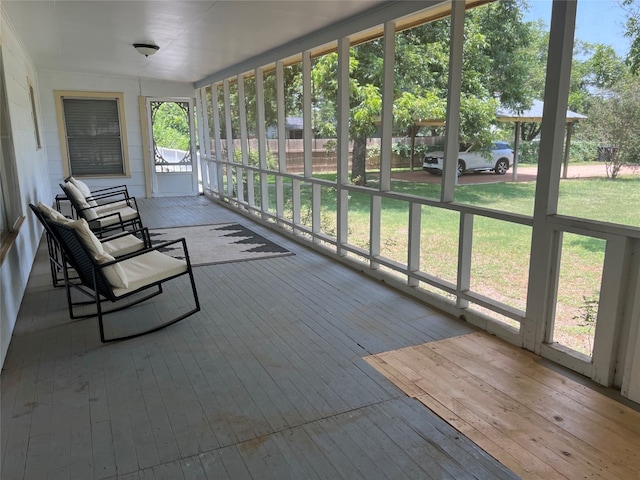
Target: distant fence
(323, 151)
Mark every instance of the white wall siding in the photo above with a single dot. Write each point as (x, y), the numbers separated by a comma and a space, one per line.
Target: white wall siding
(32, 173)
(132, 88)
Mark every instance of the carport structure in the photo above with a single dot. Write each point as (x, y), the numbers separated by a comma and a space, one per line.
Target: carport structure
(534, 115)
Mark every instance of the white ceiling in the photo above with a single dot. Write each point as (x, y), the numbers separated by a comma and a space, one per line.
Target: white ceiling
(196, 38)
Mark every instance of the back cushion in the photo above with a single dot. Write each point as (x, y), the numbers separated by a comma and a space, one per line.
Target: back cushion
(84, 190)
(77, 195)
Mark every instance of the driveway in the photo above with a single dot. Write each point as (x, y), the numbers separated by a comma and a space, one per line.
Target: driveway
(525, 174)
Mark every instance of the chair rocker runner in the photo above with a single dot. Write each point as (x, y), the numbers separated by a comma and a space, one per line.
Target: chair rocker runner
(104, 278)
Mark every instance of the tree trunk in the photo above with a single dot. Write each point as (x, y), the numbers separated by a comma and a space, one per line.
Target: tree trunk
(359, 161)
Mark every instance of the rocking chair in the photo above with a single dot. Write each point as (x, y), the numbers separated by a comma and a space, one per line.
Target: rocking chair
(106, 279)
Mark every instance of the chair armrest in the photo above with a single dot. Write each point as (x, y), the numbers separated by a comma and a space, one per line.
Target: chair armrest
(144, 233)
(129, 200)
(117, 188)
(147, 250)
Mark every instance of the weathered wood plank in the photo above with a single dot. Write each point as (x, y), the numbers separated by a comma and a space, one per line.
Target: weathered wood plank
(503, 400)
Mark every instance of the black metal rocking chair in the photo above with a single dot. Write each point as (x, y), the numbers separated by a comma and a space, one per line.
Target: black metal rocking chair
(107, 217)
(145, 270)
(117, 245)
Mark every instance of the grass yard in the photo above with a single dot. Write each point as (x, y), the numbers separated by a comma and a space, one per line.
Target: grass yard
(500, 261)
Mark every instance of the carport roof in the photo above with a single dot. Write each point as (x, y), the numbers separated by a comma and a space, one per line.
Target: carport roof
(534, 114)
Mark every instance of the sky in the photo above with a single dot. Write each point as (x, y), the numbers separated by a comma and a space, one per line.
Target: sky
(598, 21)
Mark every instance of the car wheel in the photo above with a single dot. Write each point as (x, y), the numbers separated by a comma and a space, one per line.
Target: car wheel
(501, 167)
(461, 167)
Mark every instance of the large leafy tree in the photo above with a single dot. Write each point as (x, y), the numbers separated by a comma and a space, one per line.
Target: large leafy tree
(496, 62)
(613, 121)
(632, 31)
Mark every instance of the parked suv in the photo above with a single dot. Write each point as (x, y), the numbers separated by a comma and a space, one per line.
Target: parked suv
(497, 159)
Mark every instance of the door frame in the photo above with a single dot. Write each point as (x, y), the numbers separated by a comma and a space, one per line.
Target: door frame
(151, 176)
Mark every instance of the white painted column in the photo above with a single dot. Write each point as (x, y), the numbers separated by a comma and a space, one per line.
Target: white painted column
(413, 255)
(244, 140)
(217, 171)
(343, 144)
(262, 141)
(282, 141)
(387, 105)
(306, 114)
(631, 363)
(545, 250)
(229, 134)
(452, 129)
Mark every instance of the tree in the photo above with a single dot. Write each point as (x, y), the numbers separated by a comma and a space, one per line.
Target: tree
(171, 126)
(613, 121)
(632, 8)
(495, 60)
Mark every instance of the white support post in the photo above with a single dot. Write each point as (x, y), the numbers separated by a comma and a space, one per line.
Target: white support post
(306, 114)
(316, 211)
(630, 382)
(229, 134)
(201, 144)
(244, 140)
(544, 249)
(375, 219)
(282, 131)
(295, 203)
(279, 196)
(343, 144)
(610, 311)
(217, 171)
(452, 129)
(206, 128)
(413, 250)
(242, 117)
(387, 105)
(262, 141)
(465, 251)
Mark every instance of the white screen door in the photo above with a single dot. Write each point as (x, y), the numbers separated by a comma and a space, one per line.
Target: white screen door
(171, 134)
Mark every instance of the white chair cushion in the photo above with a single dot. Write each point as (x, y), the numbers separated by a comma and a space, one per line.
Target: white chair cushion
(122, 245)
(87, 237)
(114, 273)
(149, 268)
(104, 209)
(82, 201)
(84, 190)
(126, 213)
(52, 213)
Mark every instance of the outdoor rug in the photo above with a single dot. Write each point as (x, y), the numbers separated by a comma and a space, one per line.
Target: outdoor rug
(219, 243)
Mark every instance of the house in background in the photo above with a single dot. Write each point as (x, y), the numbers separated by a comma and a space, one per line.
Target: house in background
(57, 55)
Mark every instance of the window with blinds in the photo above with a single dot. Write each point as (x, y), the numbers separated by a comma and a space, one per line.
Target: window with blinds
(94, 138)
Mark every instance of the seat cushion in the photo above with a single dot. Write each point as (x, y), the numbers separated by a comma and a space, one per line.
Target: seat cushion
(104, 209)
(126, 213)
(114, 274)
(148, 268)
(122, 245)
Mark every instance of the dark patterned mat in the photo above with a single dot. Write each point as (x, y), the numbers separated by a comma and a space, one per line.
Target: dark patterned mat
(220, 243)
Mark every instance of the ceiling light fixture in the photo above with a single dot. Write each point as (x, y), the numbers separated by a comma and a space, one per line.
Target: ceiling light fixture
(146, 49)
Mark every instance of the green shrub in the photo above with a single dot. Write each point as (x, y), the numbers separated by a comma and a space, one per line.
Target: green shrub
(580, 151)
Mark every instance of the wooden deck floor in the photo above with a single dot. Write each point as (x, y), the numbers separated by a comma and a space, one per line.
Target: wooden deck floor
(269, 380)
(534, 420)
